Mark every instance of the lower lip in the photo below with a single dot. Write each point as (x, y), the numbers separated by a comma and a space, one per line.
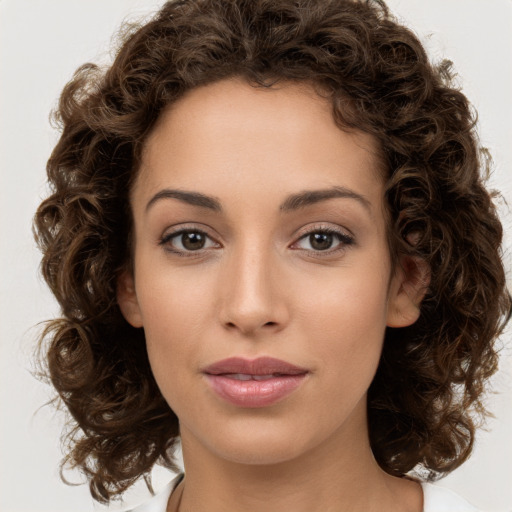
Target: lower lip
(254, 393)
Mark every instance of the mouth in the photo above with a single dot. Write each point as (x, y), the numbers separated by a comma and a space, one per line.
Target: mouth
(254, 383)
(248, 376)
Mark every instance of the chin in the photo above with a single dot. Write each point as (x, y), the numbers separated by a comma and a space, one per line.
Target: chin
(259, 443)
(264, 453)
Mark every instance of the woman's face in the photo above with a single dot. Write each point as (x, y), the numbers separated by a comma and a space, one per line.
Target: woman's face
(260, 232)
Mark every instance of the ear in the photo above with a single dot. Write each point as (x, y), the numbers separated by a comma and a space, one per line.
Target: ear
(407, 289)
(127, 299)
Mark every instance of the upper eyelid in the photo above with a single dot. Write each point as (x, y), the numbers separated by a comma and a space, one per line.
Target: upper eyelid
(325, 227)
(316, 227)
(185, 227)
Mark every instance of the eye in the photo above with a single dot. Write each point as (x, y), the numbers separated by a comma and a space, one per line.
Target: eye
(186, 241)
(323, 239)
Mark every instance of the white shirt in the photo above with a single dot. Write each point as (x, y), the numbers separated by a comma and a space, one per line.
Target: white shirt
(435, 499)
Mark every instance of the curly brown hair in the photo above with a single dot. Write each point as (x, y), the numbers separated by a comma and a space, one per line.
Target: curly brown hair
(379, 80)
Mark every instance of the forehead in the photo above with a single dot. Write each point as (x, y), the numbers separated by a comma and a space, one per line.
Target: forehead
(238, 135)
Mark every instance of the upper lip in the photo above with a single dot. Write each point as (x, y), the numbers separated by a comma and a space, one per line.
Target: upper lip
(259, 366)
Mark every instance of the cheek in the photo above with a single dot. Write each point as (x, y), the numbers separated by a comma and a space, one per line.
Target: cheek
(173, 300)
(346, 319)
(177, 313)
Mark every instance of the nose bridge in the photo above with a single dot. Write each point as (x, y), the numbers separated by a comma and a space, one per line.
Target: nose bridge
(249, 280)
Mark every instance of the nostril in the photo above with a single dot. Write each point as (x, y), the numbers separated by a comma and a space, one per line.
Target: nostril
(247, 329)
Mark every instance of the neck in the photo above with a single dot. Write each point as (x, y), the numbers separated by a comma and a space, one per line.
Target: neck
(340, 474)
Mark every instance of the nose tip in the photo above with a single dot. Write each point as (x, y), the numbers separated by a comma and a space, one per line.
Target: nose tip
(249, 311)
(251, 301)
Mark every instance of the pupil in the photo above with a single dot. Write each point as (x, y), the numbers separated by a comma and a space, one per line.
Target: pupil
(321, 241)
(192, 241)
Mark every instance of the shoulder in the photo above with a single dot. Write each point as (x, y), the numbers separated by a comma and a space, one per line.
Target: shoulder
(158, 503)
(440, 499)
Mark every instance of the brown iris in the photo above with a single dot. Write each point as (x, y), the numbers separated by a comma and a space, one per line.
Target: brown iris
(320, 241)
(193, 240)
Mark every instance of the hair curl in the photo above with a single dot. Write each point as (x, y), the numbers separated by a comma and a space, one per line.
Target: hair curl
(379, 80)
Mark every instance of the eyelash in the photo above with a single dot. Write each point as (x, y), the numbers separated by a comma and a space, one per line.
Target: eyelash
(344, 239)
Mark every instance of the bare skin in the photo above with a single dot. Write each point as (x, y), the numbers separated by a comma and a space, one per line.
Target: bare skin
(256, 285)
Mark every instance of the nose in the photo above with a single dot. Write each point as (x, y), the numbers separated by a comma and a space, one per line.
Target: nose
(253, 295)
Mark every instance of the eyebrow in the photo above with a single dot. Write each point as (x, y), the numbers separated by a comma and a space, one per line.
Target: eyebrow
(309, 197)
(193, 198)
(291, 203)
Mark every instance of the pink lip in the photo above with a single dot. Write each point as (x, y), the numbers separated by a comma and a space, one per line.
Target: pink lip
(285, 379)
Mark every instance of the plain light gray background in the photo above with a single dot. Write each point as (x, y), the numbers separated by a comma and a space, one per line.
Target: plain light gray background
(41, 44)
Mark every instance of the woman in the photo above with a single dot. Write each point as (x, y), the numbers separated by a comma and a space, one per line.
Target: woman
(270, 239)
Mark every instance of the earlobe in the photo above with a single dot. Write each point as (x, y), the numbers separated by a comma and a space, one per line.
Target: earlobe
(409, 286)
(127, 299)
